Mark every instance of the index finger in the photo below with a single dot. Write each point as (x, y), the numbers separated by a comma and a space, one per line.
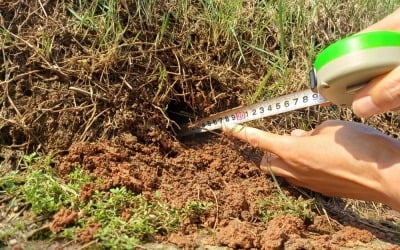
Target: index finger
(274, 143)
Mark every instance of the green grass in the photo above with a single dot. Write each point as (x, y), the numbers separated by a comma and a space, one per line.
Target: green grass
(163, 28)
(99, 21)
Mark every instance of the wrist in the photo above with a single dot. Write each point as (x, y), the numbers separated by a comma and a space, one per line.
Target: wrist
(394, 202)
(395, 198)
(392, 188)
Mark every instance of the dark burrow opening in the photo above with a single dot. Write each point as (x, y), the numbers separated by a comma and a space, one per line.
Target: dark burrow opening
(180, 112)
(5, 136)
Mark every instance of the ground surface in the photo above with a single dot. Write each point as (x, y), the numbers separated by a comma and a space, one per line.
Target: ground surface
(104, 85)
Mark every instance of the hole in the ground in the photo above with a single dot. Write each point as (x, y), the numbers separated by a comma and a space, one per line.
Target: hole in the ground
(5, 136)
(19, 137)
(180, 112)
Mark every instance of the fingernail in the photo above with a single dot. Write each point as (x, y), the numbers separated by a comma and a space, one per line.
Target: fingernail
(365, 107)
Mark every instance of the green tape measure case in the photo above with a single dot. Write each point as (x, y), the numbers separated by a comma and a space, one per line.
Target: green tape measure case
(346, 65)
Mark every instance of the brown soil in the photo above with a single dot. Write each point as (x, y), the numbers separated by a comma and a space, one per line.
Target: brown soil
(87, 235)
(62, 219)
(123, 128)
(203, 170)
(214, 169)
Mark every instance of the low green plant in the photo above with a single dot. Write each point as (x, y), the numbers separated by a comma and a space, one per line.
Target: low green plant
(279, 204)
(194, 208)
(42, 189)
(43, 193)
(30, 159)
(10, 182)
(128, 218)
(276, 205)
(77, 178)
(36, 186)
(6, 233)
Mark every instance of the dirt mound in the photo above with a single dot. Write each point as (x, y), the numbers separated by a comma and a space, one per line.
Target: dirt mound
(200, 170)
(215, 169)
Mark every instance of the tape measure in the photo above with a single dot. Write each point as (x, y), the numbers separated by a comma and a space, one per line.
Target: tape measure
(339, 71)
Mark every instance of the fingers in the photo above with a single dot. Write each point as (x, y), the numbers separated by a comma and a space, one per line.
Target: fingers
(276, 144)
(391, 22)
(380, 95)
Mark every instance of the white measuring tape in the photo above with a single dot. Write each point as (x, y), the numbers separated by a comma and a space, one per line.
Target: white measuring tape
(256, 111)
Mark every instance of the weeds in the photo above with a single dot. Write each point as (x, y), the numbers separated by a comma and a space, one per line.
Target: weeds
(276, 205)
(30, 159)
(280, 204)
(38, 186)
(126, 219)
(193, 209)
(10, 182)
(43, 192)
(163, 29)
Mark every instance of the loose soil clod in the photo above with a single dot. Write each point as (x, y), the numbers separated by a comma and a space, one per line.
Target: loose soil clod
(63, 218)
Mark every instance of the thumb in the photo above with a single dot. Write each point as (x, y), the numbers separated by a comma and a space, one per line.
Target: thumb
(379, 95)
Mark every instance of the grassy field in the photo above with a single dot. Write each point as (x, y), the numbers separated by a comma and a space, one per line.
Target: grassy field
(129, 73)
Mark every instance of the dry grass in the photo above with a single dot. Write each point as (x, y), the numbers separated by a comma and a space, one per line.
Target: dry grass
(93, 58)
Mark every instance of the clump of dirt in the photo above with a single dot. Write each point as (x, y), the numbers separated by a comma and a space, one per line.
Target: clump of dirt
(87, 191)
(62, 219)
(239, 235)
(88, 235)
(188, 241)
(280, 230)
(218, 170)
(350, 236)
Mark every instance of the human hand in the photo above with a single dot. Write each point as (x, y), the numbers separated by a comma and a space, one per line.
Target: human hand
(390, 22)
(338, 158)
(382, 93)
